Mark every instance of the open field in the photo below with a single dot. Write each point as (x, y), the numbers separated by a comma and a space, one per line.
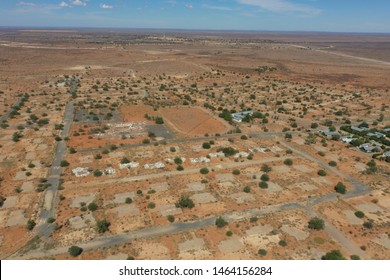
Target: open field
(128, 144)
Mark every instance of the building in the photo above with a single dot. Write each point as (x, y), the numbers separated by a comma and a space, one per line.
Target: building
(327, 132)
(238, 117)
(359, 129)
(376, 134)
(347, 139)
(369, 148)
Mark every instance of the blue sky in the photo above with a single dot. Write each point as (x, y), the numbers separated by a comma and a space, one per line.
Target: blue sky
(270, 15)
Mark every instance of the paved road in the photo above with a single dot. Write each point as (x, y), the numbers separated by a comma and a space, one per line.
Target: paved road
(359, 188)
(48, 210)
(156, 231)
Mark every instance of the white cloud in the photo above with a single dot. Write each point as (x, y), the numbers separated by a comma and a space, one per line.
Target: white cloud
(282, 6)
(26, 4)
(105, 6)
(63, 4)
(189, 6)
(79, 3)
(219, 8)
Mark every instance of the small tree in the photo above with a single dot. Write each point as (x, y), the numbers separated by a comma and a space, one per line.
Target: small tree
(263, 185)
(92, 206)
(206, 145)
(102, 226)
(359, 214)
(333, 255)
(236, 172)
(125, 160)
(316, 223)
(171, 218)
(64, 163)
(185, 202)
(178, 160)
(128, 200)
(97, 173)
(321, 172)
(31, 224)
(204, 170)
(266, 168)
(220, 222)
(159, 120)
(264, 177)
(288, 162)
(75, 251)
(262, 252)
(340, 188)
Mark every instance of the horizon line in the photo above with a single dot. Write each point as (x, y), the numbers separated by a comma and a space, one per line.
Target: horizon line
(187, 29)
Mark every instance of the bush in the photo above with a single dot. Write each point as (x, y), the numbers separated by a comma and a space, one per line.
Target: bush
(178, 160)
(266, 168)
(283, 243)
(247, 189)
(204, 170)
(262, 252)
(229, 233)
(180, 168)
(316, 223)
(125, 160)
(340, 188)
(359, 214)
(355, 257)
(333, 255)
(220, 222)
(263, 185)
(2, 199)
(92, 206)
(185, 202)
(264, 177)
(152, 205)
(332, 163)
(50, 220)
(172, 149)
(75, 251)
(236, 172)
(31, 224)
(97, 173)
(171, 218)
(64, 163)
(321, 172)
(244, 137)
(368, 224)
(206, 145)
(288, 162)
(253, 219)
(159, 120)
(102, 226)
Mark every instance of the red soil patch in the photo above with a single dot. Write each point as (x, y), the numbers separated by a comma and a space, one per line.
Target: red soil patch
(193, 121)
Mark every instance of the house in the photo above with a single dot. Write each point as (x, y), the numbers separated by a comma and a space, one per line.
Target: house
(369, 148)
(386, 154)
(376, 134)
(347, 139)
(327, 132)
(359, 129)
(386, 130)
(238, 117)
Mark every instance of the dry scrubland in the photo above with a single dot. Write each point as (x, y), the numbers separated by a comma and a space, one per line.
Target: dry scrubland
(123, 144)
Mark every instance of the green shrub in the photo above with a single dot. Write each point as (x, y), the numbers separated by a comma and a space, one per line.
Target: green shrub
(359, 214)
(321, 172)
(316, 223)
(204, 170)
(92, 206)
(340, 188)
(262, 252)
(220, 222)
(75, 251)
(263, 185)
(185, 202)
(333, 255)
(288, 162)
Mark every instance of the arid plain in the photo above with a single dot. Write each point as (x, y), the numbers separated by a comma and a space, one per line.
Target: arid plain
(142, 144)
